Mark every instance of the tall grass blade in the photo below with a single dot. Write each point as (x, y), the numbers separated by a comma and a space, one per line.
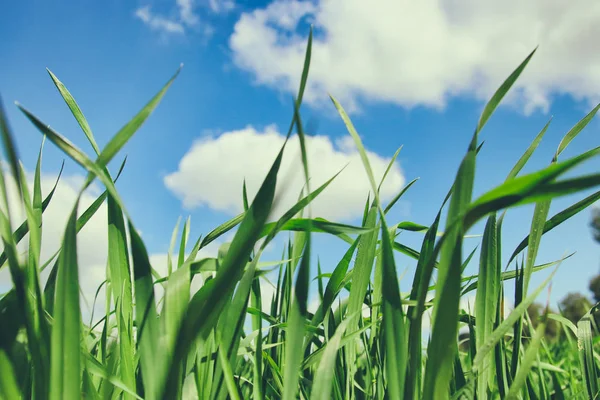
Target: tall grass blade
(65, 361)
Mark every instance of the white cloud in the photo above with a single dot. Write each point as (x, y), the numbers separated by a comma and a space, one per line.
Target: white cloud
(211, 173)
(221, 6)
(182, 17)
(422, 53)
(158, 22)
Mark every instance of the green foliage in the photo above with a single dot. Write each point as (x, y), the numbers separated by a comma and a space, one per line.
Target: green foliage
(364, 339)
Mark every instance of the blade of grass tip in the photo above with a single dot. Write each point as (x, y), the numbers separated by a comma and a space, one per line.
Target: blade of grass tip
(528, 153)
(573, 132)
(501, 92)
(389, 167)
(398, 196)
(222, 229)
(75, 110)
(184, 239)
(320, 287)
(65, 361)
(245, 196)
(172, 247)
(111, 149)
(78, 156)
(125, 133)
(393, 316)
(146, 316)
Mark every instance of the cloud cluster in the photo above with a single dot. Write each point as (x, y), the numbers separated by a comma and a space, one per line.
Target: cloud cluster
(182, 17)
(422, 53)
(212, 172)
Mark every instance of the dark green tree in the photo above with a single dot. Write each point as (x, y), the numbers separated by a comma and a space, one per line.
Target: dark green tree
(536, 313)
(595, 287)
(574, 306)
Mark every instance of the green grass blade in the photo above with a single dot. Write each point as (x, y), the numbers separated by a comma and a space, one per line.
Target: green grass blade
(208, 301)
(9, 388)
(388, 168)
(8, 144)
(528, 153)
(484, 348)
(75, 110)
(146, 316)
(120, 138)
(486, 303)
(65, 361)
(558, 219)
(120, 277)
(529, 358)
(325, 371)
(183, 243)
(573, 132)
(398, 196)
(589, 367)
(501, 92)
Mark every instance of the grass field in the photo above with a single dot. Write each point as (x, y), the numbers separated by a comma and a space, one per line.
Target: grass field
(363, 341)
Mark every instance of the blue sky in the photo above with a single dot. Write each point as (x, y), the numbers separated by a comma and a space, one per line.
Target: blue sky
(412, 75)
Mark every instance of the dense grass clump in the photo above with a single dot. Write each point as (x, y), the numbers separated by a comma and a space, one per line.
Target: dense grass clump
(365, 338)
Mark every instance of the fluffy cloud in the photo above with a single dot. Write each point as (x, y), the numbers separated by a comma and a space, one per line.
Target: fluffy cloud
(422, 53)
(158, 22)
(221, 6)
(211, 173)
(183, 16)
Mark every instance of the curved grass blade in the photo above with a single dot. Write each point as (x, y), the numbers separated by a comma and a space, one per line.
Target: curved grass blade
(398, 196)
(528, 153)
(75, 110)
(558, 219)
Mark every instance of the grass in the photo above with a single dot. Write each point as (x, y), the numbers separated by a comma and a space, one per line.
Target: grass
(364, 341)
